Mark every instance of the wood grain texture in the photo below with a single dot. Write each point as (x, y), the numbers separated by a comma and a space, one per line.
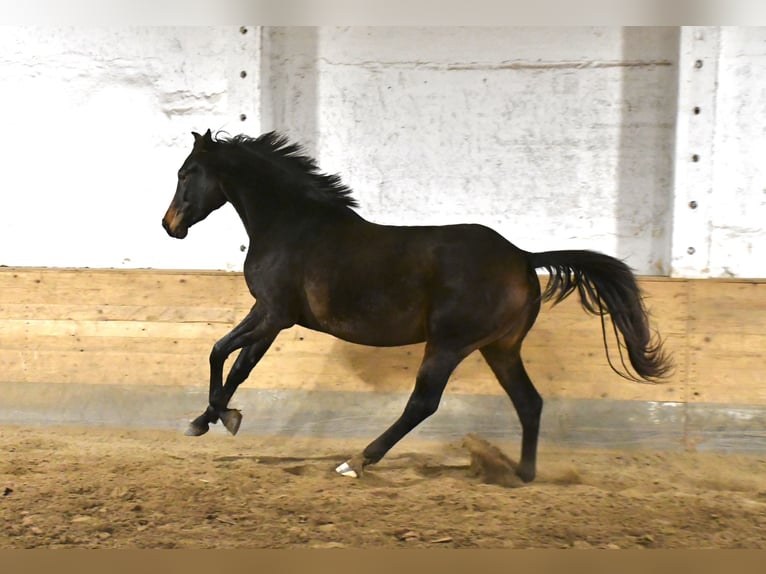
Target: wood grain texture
(144, 327)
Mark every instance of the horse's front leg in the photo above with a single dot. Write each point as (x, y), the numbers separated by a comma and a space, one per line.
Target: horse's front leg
(247, 359)
(255, 333)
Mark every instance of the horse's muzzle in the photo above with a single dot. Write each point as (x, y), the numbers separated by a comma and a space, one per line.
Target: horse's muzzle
(173, 224)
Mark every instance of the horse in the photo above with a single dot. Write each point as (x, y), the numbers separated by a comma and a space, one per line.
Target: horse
(314, 261)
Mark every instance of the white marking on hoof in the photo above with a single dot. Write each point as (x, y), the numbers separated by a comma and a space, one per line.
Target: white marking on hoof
(346, 470)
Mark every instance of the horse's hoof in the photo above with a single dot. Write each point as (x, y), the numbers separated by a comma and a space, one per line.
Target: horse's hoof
(231, 419)
(526, 476)
(198, 426)
(346, 469)
(197, 429)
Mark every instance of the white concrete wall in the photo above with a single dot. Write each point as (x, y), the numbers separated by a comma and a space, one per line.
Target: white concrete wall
(558, 138)
(720, 172)
(738, 218)
(96, 123)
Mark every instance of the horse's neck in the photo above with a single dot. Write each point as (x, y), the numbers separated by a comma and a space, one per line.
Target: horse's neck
(265, 217)
(242, 207)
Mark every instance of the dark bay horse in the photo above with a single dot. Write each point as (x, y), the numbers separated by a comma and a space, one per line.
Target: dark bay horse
(313, 261)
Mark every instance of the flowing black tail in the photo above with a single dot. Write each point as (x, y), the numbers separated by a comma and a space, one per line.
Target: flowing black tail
(607, 287)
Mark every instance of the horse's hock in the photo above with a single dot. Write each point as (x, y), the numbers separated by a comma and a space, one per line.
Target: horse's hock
(129, 349)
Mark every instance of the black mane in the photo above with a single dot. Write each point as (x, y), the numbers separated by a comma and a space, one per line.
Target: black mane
(292, 164)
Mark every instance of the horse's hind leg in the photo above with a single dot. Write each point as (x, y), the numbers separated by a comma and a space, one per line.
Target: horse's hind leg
(505, 361)
(435, 370)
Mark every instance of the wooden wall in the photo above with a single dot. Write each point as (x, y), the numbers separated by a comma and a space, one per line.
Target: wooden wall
(114, 327)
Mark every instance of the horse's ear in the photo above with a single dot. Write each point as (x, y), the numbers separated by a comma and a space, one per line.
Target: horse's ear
(202, 143)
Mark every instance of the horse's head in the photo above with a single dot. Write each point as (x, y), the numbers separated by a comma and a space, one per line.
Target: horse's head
(198, 192)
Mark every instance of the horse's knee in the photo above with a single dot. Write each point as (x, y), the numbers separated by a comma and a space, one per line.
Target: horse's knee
(217, 354)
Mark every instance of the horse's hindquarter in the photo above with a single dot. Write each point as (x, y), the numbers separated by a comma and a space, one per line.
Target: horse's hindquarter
(385, 285)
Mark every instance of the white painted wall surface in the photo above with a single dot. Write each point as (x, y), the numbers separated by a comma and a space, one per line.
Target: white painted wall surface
(720, 173)
(558, 138)
(738, 221)
(96, 123)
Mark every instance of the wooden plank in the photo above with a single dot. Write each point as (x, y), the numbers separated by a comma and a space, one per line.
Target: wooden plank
(727, 342)
(339, 364)
(726, 368)
(667, 302)
(309, 361)
(557, 367)
(731, 307)
(147, 293)
(193, 347)
(158, 326)
(63, 367)
(88, 312)
(142, 329)
(118, 287)
(133, 368)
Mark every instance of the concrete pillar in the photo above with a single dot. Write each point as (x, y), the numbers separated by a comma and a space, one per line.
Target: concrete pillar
(694, 155)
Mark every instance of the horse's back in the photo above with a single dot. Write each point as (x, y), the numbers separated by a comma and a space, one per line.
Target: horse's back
(390, 285)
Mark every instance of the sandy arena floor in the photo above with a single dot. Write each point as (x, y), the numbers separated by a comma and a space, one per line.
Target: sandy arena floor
(103, 488)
